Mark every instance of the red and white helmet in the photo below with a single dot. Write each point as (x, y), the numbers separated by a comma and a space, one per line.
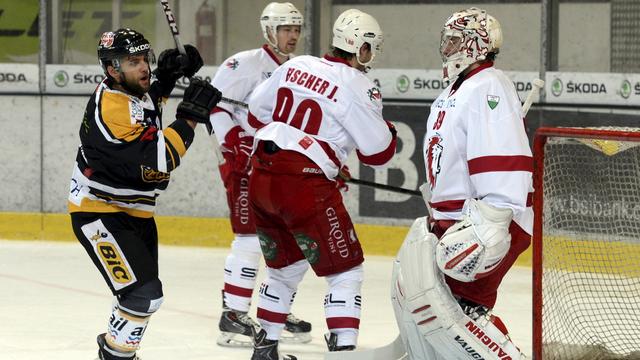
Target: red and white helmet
(352, 29)
(468, 36)
(276, 14)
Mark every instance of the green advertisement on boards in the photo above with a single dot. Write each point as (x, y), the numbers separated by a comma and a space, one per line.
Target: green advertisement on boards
(80, 24)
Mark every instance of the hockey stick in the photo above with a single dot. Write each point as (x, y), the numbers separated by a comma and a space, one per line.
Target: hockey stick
(173, 26)
(537, 85)
(375, 185)
(392, 351)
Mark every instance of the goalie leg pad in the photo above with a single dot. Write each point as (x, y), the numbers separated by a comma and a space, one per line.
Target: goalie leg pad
(420, 295)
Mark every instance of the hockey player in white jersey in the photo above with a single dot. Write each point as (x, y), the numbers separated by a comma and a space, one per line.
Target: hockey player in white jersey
(479, 180)
(307, 118)
(236, 78)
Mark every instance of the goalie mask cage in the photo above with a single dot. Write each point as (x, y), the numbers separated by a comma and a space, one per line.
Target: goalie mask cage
(586, 253)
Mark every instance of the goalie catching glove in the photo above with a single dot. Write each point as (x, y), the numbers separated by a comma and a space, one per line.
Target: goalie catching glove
(198, 101)
(474, 246)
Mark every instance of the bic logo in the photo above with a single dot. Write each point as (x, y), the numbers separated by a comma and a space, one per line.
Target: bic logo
(113, 261)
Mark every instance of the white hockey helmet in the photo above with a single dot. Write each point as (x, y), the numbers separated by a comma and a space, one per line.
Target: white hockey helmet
(467, 37)
(276, 14)
(352, 29)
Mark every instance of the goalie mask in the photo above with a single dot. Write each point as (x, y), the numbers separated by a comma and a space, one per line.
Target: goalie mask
(352, 29)
(468, 37)
(278, 14)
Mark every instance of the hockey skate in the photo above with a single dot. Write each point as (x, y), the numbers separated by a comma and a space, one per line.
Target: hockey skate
(297, 331)
(104, 355)
(264, 349)
(237, 329)
(332, 343)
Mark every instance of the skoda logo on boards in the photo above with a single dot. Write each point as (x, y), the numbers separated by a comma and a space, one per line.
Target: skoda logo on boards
(556, 87)
(402, 83)
(625, 89)
(61, 78)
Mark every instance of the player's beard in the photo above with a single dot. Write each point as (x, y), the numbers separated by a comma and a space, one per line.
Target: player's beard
(137, 86)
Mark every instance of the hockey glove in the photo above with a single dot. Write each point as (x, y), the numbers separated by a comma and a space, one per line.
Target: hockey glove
(239, 144)
(198, 101)
(172, 66)
(341, 180)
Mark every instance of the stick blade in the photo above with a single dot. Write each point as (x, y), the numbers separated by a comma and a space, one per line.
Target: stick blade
(392, 351)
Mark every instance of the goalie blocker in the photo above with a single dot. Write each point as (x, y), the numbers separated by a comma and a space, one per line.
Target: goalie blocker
(432, 323)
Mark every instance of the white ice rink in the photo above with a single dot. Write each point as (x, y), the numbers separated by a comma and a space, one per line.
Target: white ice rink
(53, 303)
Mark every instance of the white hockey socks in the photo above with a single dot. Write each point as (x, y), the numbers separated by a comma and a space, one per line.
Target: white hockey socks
(342, 305)
(124, 332)
(276, 296)
(240, 272)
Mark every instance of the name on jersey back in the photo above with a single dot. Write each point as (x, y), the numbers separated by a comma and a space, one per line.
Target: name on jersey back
(311, 82)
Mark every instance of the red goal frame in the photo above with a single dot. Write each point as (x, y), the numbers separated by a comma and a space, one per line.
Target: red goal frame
(540, 140)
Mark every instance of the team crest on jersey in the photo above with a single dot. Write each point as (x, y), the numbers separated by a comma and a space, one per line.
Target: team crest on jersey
(434, 153)
(374, 94)
(151, 175)
(232, 64)
(492, 101)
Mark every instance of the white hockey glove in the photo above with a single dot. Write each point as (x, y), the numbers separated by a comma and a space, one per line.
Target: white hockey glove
(474, 246)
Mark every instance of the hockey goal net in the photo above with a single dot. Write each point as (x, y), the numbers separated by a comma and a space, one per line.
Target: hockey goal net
(586, 252)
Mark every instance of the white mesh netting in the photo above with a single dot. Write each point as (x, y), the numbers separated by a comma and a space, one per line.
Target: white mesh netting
(591, 249)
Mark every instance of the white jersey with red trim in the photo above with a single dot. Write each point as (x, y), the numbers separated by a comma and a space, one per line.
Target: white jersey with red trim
(324, 109)
(236, 78)
(476, 146)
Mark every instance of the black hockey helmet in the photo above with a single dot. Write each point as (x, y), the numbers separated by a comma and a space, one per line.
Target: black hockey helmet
(122, 42)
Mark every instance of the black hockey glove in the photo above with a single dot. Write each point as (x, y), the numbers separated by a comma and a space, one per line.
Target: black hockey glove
(172, 66)
(198, 101)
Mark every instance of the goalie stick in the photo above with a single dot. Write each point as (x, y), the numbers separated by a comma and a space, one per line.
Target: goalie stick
(173, 26)
(535, 90)
(392, 351)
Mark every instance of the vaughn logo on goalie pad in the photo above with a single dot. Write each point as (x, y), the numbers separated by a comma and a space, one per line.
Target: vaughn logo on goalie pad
(476, 331)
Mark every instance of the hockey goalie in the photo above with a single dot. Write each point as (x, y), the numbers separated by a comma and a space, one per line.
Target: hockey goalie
(479, 178)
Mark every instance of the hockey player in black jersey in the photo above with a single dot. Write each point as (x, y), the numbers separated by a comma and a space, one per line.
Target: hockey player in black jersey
(122, 165)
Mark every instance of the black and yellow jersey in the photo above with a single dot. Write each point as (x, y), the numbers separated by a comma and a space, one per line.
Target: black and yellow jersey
(125, 157)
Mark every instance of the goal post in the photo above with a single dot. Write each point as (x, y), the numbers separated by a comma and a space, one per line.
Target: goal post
(586, 244)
